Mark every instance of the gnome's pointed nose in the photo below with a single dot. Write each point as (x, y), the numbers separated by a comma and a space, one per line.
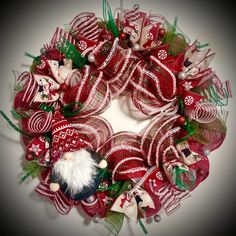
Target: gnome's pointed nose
(68, 156)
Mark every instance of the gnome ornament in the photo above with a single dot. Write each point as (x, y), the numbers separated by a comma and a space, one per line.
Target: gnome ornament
(75, 165)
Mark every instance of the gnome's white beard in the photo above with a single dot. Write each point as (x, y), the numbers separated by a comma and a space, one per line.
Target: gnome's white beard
(78, 172)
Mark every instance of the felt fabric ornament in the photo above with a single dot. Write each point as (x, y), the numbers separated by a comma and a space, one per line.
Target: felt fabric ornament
(196, 61)
(142, 28)
(179, 175)
(186, 155)
(84, 45)
(47, 89)
(39, 149)
(131, 205)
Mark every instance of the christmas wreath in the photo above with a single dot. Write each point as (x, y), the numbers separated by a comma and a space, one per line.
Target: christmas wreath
(73, 150)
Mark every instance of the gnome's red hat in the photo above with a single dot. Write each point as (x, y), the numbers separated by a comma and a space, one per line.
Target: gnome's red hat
(65, 137)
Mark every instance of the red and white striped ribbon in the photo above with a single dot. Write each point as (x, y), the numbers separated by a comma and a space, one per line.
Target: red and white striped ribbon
(124, 156)
(90, 89)
(44, 189)
(40, 122)
(204, 112)
(154, 135)
(132, 14)
(170, 198)
(30, 86)
(60, 35)
(85, 25)
(95, 128)
(61, 202)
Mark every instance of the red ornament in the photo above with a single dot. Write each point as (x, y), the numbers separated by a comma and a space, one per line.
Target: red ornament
(161, 32)
(29, 157)
(123, 36)
(181, 120)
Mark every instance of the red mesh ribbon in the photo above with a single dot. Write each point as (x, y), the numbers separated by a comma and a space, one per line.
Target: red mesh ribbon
(157, 137)
(124, 156)
(153, 87)
(94, 128)
(24, 98)
(117, 64)
(61, 202)
(89, 89)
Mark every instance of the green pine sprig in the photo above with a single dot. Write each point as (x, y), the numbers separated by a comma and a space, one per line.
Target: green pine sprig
(31, 169)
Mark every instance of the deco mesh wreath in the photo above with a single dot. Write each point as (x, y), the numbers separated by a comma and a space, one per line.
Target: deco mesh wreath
(73, 150)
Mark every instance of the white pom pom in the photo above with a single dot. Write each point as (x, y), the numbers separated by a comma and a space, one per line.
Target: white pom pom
(54, 187)
(206, 152)
(182, 75)
(91, 58)
(136, 47)
(96, 219)
(102, 164)
(42, 50)
(90, 199)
